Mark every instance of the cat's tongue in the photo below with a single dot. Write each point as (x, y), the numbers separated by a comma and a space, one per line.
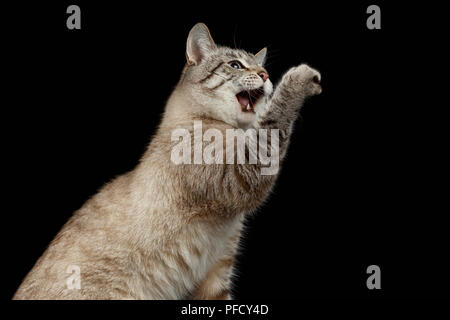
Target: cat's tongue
(243, 100)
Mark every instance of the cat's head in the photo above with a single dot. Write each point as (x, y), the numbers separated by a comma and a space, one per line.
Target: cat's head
(227, 84)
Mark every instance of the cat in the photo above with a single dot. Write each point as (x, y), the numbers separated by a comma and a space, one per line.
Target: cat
(171, 231)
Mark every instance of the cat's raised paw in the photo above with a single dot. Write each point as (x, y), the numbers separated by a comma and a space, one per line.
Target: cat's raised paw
(305, 77)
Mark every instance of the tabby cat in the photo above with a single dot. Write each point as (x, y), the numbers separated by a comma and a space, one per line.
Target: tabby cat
(171, 231)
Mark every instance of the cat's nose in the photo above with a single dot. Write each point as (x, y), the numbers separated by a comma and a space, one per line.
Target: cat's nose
(264, 76)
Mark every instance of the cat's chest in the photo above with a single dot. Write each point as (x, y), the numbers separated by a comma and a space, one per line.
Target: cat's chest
(185, 262)
(210, 244)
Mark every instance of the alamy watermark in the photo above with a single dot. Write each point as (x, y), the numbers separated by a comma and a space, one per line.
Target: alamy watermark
(374, 280)
(209, 147)
(74, 20)
(73, 281)
(374, 20)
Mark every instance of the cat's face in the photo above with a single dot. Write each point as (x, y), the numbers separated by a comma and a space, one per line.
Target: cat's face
(230, 85)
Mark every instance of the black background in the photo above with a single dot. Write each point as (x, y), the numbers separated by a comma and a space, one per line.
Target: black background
(356, 188)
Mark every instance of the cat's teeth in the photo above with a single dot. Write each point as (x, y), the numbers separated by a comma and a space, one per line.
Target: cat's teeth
(248, 107)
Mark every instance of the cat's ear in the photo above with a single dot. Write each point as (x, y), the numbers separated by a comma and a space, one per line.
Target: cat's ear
(261, 56)
(199, 43)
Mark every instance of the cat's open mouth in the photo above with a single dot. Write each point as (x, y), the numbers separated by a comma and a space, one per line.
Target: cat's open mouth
(248, 98)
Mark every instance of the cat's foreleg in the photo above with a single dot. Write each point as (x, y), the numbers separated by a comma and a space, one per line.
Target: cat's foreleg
(217, 283)
(281, 111)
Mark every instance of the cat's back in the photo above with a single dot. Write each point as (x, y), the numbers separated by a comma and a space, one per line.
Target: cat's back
(93, 245)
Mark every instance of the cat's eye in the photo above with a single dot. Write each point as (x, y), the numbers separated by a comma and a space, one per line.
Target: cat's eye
(235, 64)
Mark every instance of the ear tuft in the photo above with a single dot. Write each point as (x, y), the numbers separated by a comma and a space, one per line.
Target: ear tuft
(199, 43)
(261, 56)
